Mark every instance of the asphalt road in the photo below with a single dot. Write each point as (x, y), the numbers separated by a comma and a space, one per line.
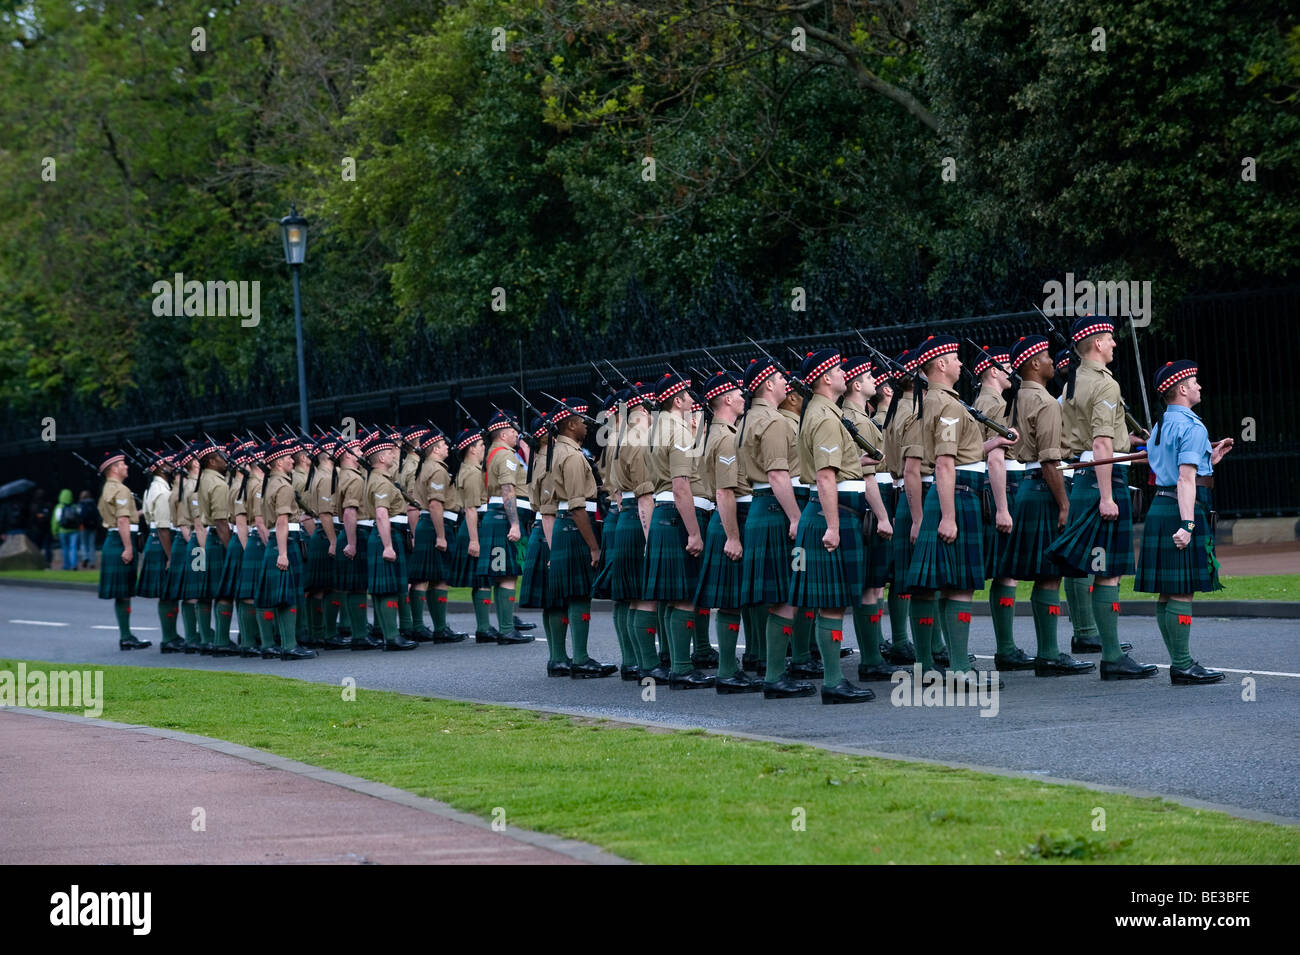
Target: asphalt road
(1202, 744)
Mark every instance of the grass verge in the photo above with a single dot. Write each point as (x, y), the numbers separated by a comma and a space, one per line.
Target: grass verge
(1254, 587)
(682, 796)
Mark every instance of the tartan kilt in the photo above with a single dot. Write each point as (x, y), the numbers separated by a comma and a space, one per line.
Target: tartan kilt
(532, 582)
(569, 575)
(214, 556)
(1072, 552)
(250, 567)
(765, 568)
(350, 576)
(720, 576)
(423, 563)
(174, 581)
(493, 526)
(877, 552)
(900, 545)
(386, 577)
(116, 579)
(600, 585)
(1164, 569)
(828, 578)
(996, 543)
(318, 570)
(276, 587)
(670, 573)
(461, 571)
(1024, 556)
(626, 561)
(231, 569)
(957, 566)
(193, 584)
(153, 569)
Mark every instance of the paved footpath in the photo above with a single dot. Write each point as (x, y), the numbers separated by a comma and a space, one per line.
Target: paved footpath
(86, 792)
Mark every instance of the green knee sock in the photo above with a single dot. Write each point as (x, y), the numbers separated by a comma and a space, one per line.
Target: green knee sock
(805, 622)
(505, 608)
(404, 611)
(419, 600)
(664, 630)
(701, 634)
(626, 651)
(203, 614)
(681, 624)
(301, 619)
(866, 624)
(333, 608)
(727, 626)
(266, 627)
(247, 624)
(1046, 605)
(957, 622)
(830, 634)
(1162, 622)
(286, 619)
(438, 609)
(167, 612)
(1178, 618)
(644, 624)
(1105, 610)
(580, 624)
(939, 636)
(922, 614)
(779, 632)
(554, 636)
(355, 604)
(1002, 606)
(482, 610)
(225, 613)
(189, 620)
(316, 618)
(897, 617)
(122, 610)
(386, 613)
(755, 632)
(1079, 603)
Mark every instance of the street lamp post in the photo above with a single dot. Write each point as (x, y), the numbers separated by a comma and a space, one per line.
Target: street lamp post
(293, 230)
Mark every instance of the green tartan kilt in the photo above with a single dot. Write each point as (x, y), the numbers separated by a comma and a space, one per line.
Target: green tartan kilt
(600, 585)
(532, 582)
(877, 551)
(670, 573)
(570, 573)
(193, 585)
(765, 568)
(626, 561)
(427, 563)
(957, 566)
(214, 556)
(250, 566)
(900, 545)
(276, 587)
(720, 576)
(318, 570)
(231, 569)
(828, 578)
(1164, 569)
(1024, 556)
(116, 579)
(996, 543)
(351, 575)
(386, 577)
(1073, 551)
(493, 526)
(174, 581)
(153, 568)
(462, 565)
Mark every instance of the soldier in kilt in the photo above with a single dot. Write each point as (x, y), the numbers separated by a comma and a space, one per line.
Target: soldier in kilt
(537, 554)
(322, 546)
(232, 574)
(213, 527)
(948, 552)
(875, 526)
(630, 471)
(153, 565)
(117, 564)
(429, 563)
(498, 525)
(1078, 590)
(804, 654)
(723, 481)
(898, 644)
(191, 584)
(470, 496)
(351, 566)
(1004, 477)
(1099, 536)
(611, 420)
(262, 633)
(280, 581)
(386, 551)
(1177, 556)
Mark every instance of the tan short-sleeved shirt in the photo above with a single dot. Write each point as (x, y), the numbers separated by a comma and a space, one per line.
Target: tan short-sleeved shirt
(278, 498)
(115, 501)
(433, 483)
(351, 493)
(673, 453)
(824, 442)
(299, 478)
(407, 474)
(319, 497)
(176, 503)
(190, 494)
(994, 407)
(1096, 410)
(571, 475)
(721, 467)
(867, 428)
(238, 496)
(541, 489)
(214, 501)
(469, 486)
(503, 467)
(766, 443)
(157, 505)
(605, 463)
(946, 428)
(1038, 421)
(630, 469)
(382, 491)
(906, 441)
(257, 496)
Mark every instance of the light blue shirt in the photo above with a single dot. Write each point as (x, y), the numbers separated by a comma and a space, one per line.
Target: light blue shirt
(1183, 440)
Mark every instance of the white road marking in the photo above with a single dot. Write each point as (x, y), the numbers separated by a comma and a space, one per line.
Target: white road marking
(104, 626)
(42, 623)
(1165, 666)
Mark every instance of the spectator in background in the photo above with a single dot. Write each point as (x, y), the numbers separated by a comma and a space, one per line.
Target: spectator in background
(90, 524)
(38, 526)
(66, 522)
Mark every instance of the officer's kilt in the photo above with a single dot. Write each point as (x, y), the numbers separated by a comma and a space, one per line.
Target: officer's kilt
(995, 542)
(493, 526)
(532, 582)
(1024, 556)
(900, 546)
(232, 568)
(250, 567)
(1072, 552)
(877, 551)
(276, 587)
(351, 575)
(116, 579)
(318, 573)
(174, 582)
(957, 566)
(765, 568)
(720, 576)
(670, 573)
(427, 563)
(626, 561)
(600, 586)
(570, 573)
(1164, 569)
(386, 577)
(214, 557)
(829, 578)
(153, 568)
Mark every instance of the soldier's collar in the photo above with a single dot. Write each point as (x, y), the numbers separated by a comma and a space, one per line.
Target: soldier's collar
(764, 402)
(1033, 385)
(565, 439)
(1093, 364)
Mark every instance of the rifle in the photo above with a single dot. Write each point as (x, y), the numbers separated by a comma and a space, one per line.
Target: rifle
(1014, 391)
(472, 419)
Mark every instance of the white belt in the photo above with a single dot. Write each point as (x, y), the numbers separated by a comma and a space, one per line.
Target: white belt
(927, 479)
(294, 526)
(133, 528)
(795, 482)
(398, 519)
(744, 498)
(898, 485)
(884, 477)
(451, 515)
(664, 497)
(762, 486)
(1085, 456)
(1033, 465)
(1015, 466)
(629, 496)
(367, 522)
(523, 505)
(851, 486)
(494, 500)
(703, 503)
(978, 467)
(482, 508)
(563, 506)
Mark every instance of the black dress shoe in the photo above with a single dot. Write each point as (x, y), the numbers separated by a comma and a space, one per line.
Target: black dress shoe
(875, 672)
(695, 680)
(297, 653)
(705, 659)
(940, 658)
(270, 653)
(132, 642)
(591, 669)
(366, 642)
(337, 643)
(787, 689)
(1063, 665)
(631, 674)
(229, 650)
(558, 669)
(191, 648)
(749, 663)
(1194, 675)
(514, 636)
(249, 652)
(665, 661)
(524, 624)
(205, 649)
(808, 670)
(846, 692)
(487, 636)
(1126, 668)
(1085, 645)
(448, 635)
(738, 682)
(421, 635)
(901, 654)
(1017, 660)
(847, 652)
(172, 646)
(401, 643)
(659, 674)
(974, 679)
